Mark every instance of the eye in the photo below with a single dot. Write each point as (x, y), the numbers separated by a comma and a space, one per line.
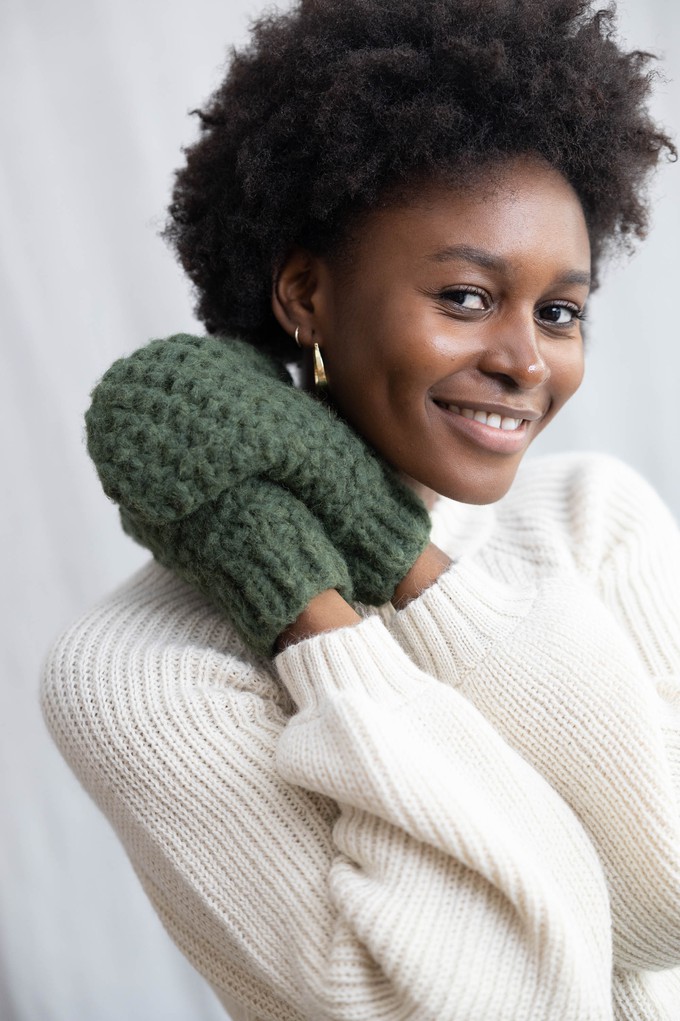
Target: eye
(560, 314)
(469, 298)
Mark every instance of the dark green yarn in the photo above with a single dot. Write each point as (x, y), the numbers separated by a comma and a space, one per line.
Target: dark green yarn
(183, 422)
(255, 551)
(152, 426)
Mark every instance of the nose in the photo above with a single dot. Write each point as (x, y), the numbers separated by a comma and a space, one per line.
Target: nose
(512, 353)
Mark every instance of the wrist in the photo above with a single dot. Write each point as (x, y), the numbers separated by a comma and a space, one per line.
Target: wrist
(431, 563)
(325, 612)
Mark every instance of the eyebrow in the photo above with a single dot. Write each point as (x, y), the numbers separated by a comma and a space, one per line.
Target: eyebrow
(466, 253)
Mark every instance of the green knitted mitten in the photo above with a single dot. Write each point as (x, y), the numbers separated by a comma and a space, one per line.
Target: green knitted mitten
(255, 551)
(183, 420)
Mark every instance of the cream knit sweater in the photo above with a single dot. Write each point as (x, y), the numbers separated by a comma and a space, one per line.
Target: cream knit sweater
(465, 811)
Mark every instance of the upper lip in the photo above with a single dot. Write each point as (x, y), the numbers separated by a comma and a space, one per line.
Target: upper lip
(504, 410)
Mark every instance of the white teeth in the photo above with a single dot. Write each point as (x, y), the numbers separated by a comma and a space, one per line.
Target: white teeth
(505, 423)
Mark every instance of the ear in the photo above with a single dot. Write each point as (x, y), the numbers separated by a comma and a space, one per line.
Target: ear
(296, 295)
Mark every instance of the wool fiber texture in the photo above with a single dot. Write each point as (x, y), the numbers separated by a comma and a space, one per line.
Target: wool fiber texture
(468, 810)
(252, 490)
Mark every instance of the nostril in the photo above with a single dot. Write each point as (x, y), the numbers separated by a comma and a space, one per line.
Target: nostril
(509, 382)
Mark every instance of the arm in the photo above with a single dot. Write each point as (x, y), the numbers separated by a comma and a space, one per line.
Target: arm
(586, 687)
(381, 853)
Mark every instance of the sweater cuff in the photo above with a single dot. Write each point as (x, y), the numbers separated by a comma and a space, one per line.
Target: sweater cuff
(360, 659)
(455, 623)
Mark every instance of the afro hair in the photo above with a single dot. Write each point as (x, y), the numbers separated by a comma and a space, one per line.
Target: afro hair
(336, 103)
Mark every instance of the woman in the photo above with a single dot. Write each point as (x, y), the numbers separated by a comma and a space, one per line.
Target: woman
(408, 743)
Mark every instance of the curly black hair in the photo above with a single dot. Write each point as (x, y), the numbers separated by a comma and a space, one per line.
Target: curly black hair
(336, 103)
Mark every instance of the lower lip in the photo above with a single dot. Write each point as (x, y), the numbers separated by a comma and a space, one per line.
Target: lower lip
(500, 441)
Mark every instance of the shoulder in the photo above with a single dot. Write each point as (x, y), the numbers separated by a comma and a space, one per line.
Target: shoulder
(146, 673)
(594, 488)
(582, 472)
(575, 509)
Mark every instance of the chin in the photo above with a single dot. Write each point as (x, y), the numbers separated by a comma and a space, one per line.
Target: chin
(474, 486)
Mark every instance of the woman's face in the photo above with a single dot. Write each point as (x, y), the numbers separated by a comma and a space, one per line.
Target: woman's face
(454, 336)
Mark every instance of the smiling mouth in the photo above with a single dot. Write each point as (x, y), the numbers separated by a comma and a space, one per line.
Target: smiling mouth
(502, 422)
(488, 430)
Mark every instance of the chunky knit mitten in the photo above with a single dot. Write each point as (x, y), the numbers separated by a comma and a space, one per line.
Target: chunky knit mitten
(184, 420)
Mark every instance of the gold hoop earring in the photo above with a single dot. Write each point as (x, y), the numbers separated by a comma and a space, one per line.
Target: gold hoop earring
(319, 368)
(297, 336)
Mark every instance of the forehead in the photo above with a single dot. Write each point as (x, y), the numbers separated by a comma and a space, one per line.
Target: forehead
(522, 211)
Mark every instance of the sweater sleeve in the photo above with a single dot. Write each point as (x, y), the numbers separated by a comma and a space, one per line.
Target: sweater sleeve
(587, 687)
(349, 840)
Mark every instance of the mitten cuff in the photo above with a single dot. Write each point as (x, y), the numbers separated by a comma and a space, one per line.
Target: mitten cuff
(257, 553)
(387, 537)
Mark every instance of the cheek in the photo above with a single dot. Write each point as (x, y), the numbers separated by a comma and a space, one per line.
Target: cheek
(567, 373)
(382, 353)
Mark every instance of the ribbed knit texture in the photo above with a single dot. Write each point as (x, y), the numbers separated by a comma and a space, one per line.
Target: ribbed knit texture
(184, 422)
(466, 811)
(255, 551)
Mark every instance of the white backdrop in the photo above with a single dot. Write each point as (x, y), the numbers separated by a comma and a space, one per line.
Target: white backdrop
(95, 95)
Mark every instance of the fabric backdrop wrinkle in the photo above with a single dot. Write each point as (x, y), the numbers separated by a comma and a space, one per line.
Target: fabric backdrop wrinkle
(95, 101)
